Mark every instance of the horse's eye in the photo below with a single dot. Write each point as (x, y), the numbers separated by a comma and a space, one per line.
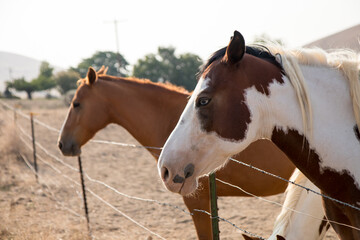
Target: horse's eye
(203, 101)
(76, 104)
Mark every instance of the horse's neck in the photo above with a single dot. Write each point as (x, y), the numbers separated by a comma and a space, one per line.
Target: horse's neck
(147, 111)
(333, 136)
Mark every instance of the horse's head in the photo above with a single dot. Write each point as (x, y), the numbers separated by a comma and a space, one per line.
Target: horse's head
(218, 120)
(87, 114)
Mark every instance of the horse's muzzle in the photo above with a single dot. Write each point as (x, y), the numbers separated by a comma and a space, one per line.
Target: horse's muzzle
(69, 149)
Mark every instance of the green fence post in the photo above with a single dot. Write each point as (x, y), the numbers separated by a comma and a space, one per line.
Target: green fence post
(214, 208)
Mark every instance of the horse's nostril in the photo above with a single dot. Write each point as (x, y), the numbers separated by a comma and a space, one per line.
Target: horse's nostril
(164, 173)
(60, 145)
(189, 170)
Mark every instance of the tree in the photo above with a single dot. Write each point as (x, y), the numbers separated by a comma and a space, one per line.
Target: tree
(45, 79)
(21, 85)
(116, 63)
(166, 66)
(66, 80)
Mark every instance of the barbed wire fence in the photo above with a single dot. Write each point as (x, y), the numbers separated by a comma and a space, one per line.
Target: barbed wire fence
(25, 138)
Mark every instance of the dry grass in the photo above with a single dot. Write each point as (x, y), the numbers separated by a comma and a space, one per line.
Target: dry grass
(26, 209)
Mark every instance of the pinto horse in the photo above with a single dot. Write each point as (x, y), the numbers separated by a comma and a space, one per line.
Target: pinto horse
(149, 112)
(308, 105)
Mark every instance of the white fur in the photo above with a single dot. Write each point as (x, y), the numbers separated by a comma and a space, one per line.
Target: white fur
(293, 225)
(333, 119)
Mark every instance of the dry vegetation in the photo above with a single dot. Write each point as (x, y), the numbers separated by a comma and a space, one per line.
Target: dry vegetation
(53, 209)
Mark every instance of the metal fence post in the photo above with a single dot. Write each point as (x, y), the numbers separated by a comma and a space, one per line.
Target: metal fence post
(214, 208)
(34, 146)
(84, 196)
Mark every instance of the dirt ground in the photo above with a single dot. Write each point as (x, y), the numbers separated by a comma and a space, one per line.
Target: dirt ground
(52, 208)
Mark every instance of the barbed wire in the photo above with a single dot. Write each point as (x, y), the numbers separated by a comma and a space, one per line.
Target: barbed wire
(123, 214)
(232, 159)
(283, 206)
(47, 152)
(109, 187)
(232, 224)
(48, 188)
(93, 193)
(124, 144)
(294, 183)
(136, 198)
(92, 140)
(171, 205)
(100, 182)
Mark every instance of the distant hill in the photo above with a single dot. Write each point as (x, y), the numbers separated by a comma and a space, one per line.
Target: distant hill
(348, 38)
(16, 66)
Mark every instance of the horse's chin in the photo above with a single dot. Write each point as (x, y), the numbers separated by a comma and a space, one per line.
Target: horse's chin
(189, 187)
(73, 152)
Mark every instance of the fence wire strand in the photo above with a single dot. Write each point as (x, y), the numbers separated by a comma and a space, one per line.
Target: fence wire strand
(48, 188)
(294, 183)
(156, 201)
(232, 224)
(283, 206)
(93, 193)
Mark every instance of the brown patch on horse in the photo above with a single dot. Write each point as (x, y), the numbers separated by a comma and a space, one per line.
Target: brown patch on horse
(338, 185)
(229, 78)
(279, 237)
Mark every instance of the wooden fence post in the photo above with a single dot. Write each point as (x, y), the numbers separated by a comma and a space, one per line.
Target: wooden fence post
(214, 208)
(34, 146)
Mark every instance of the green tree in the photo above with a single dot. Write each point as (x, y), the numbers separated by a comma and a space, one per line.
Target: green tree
(166, 66)
(116, 63)
(66, 80)
(45, 79)
(20, 84)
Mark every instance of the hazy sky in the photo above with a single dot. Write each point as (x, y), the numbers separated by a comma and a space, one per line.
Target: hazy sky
(64, 32)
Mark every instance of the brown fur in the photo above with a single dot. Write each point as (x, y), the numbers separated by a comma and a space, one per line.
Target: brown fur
(235, 80)
(230, 77)
(340, 186)
(122, 100)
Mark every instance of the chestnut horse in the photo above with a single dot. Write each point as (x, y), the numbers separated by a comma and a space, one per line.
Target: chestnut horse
(101, 99)
(308, 105)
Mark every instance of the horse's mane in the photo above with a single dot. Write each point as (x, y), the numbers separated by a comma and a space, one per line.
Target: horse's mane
(346, 61)
(292, 198)
(259, 51)
(166, 85)
(288, 61)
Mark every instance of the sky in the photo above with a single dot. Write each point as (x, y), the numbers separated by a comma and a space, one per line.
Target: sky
(67, 31)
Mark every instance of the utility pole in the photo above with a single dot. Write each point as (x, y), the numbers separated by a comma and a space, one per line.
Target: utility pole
(115, 22)
(10, 75)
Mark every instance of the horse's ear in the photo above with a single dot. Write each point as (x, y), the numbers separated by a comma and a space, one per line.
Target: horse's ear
(101, 70)
(91, 76)
(105, 70)
(236, 48)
